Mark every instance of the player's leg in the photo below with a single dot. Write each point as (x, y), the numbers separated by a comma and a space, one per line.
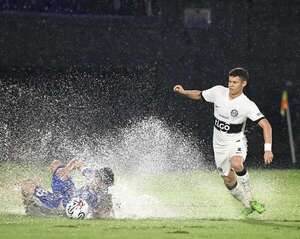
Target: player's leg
(237, 164)
(235, 188)
(27, 187)
(31, 201)
(238, 155)
(223, 164)
(244, 179)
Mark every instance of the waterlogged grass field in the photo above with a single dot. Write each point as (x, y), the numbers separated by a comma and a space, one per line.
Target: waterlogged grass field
(163, 205)
(21, 227)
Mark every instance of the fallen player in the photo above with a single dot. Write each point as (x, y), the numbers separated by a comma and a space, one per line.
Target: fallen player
(40, 202)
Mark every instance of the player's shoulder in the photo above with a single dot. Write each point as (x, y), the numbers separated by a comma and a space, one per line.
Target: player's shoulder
(218, 88)
(221, 90)
(247, 101)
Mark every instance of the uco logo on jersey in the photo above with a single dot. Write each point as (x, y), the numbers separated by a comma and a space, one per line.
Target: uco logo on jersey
(221, 125)
(234, 113)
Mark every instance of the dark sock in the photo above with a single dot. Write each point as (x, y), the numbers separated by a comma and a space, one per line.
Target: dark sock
(241, 173)
(231, 187)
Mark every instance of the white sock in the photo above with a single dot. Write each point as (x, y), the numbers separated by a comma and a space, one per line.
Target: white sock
(239, 194)
(245, 182)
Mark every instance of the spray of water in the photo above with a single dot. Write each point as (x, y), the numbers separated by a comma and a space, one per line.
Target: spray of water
(141, 151)
(144, 149)
(62, 123)
(153, 162)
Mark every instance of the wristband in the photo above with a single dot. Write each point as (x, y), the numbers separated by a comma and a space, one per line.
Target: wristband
(268, 147)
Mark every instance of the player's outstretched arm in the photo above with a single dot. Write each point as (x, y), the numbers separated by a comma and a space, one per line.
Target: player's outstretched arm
(267, 132)
(64, 173)
(192, 94)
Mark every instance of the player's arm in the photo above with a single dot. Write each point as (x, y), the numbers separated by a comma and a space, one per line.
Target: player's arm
(64, 173)
(267, 133)
(191, 94)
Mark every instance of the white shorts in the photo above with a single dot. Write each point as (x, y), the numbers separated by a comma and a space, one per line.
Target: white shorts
(223, 154)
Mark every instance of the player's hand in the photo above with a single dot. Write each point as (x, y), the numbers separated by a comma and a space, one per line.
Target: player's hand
(79, 164)
(178, 89)
(62, 173)
(268, 157)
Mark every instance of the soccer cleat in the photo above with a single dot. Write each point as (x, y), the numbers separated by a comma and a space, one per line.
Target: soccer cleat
(247, 211)
(257, 206)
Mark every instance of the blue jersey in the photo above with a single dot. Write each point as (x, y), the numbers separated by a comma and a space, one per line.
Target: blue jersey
(62, 192)
(62, 188)
(92, 197)
(89, 195)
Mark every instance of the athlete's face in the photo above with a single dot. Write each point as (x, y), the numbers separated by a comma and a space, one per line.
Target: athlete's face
(236, 85)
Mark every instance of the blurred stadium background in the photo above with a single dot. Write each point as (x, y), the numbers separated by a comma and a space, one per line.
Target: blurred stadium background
(87, 67)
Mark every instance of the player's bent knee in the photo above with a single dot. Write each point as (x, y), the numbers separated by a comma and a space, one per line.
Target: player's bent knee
(27, 187)
(238, 168)
(237, 164)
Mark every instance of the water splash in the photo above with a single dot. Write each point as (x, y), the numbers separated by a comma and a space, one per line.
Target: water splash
(149, 146)
(144, 147)
(144, 152)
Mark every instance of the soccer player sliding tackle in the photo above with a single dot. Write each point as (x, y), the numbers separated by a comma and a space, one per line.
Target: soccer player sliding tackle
(231, 110)
(40, 202)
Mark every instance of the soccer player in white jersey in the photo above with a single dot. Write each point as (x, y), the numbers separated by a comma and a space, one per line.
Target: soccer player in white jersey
(231, 110)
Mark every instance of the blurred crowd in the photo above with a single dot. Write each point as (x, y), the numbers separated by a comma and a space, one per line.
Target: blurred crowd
(99, 7)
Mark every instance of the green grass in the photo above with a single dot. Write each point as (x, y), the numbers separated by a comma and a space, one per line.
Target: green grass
(26, 227)
(176, 205)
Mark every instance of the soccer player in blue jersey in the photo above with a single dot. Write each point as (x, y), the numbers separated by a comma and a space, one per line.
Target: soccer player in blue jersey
(96, 194)
(40, 202)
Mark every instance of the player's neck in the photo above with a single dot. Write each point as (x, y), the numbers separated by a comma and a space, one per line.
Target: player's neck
(233, 96)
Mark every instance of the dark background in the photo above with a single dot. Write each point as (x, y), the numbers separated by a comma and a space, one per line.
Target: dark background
(91, 68)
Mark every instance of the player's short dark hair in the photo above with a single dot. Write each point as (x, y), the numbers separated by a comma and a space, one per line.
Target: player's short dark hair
(107, 176)
(240, 72)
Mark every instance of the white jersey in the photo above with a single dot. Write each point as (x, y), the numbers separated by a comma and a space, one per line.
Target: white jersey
(230, 114)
